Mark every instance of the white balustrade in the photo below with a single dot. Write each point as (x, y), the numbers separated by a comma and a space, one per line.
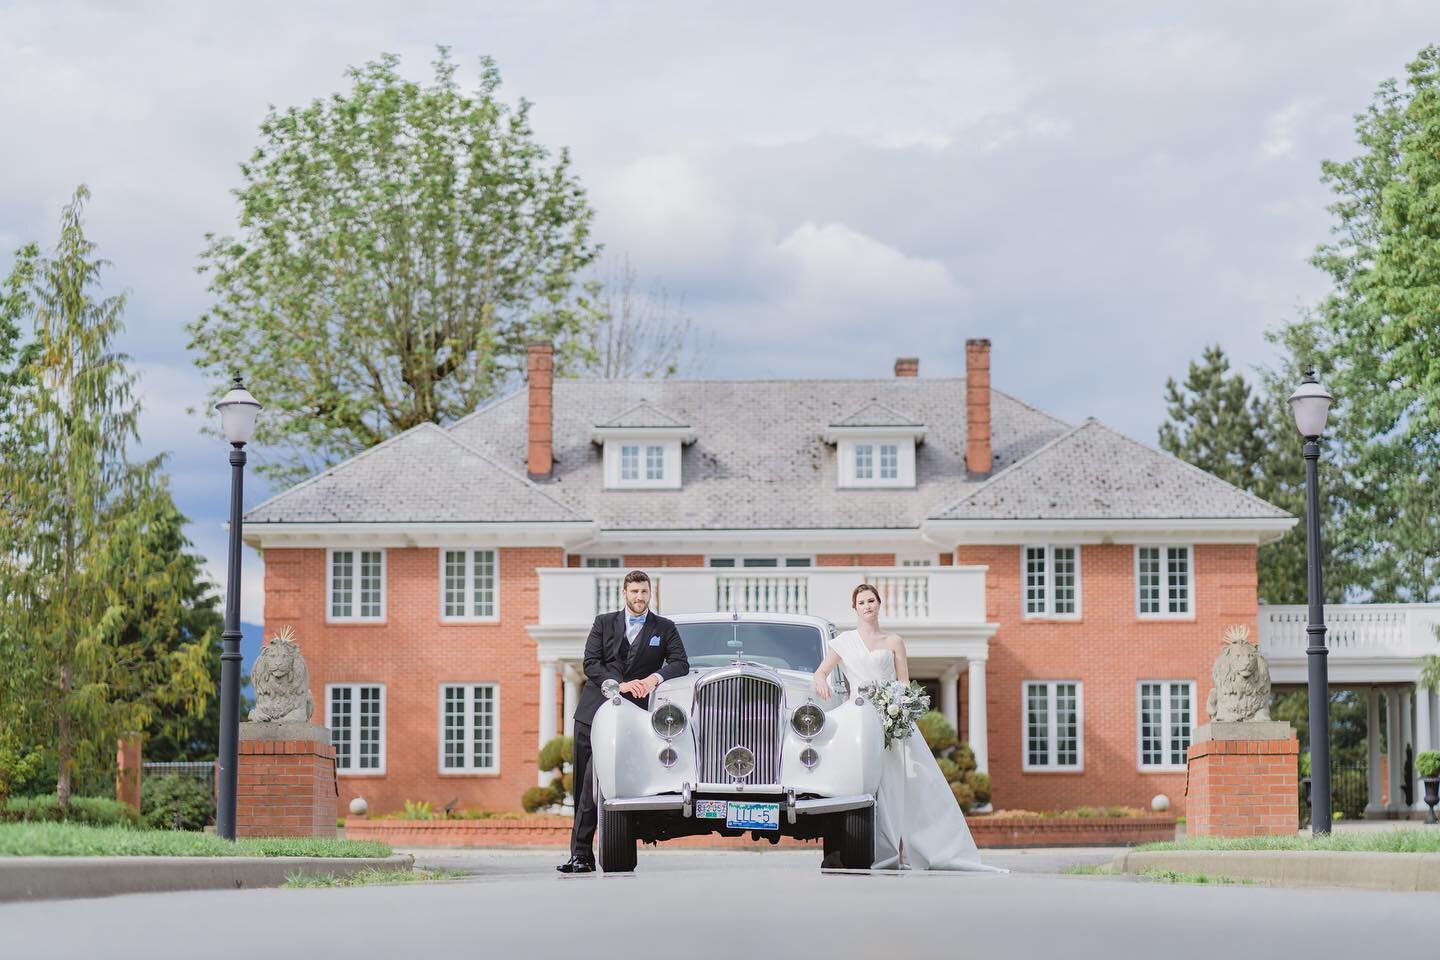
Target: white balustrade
(1352, 631)
(762, 594)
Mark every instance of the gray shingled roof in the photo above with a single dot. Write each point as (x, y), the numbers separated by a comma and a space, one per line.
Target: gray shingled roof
(877, 415)
(422, 475)
(1095, 473)
(644, 414)
(759, 460)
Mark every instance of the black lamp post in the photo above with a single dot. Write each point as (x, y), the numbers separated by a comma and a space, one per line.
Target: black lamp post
(1311, 405)
(237, 414)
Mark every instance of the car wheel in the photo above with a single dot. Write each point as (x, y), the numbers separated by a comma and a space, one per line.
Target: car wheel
(616, 838)
(856, 838)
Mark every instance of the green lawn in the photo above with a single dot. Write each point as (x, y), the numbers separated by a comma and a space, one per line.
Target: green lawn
(372, 877)
(77, 840)
(1366, 841)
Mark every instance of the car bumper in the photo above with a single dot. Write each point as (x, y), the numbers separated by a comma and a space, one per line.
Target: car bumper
(682, 803)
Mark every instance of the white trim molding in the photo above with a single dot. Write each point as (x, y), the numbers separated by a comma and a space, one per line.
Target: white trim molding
(468, 598)
(1164, 573)
(426, 534)
(1051, 733)
(354, 728)
(467, 769)
(353, 616)
(1105, 531)
(1164, 723)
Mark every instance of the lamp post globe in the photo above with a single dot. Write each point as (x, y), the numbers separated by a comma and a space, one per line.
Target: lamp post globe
(238, 410)
(1310, 404)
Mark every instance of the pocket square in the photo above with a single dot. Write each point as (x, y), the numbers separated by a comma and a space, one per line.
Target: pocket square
(654, 641)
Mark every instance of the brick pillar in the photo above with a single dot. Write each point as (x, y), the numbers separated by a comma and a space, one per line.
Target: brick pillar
(1240, 784)
(127, 770)
(977, 408)
(287, 781)
(540, 372)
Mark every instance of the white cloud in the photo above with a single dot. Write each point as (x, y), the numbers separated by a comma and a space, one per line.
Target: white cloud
(834, 266)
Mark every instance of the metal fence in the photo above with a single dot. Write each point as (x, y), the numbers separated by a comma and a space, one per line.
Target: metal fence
(1349, 791)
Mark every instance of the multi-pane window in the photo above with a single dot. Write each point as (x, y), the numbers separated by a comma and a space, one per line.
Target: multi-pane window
(1167, 710)
(1053, 730)
(609, 562)
(469, 727)
(759, 562)
(356, 716)
(469, 584)
(630, 462)
(864, 461)
(1163, 581)
(917, 563)
(889, 461)
(357, 584)
(1052, 581)
(654, 463)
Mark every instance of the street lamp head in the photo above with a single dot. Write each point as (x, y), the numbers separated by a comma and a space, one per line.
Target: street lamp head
(1311, 406)
(237, 413)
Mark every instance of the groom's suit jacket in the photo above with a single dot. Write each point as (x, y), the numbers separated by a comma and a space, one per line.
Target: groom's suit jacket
(609, 654)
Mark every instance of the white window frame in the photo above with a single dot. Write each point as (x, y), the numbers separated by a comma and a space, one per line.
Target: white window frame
(1049, 612)
(469, 616)
(1051, 767)
(847, 452)
(354, 617)
(782, 561)
(601, 562)
(1164, 550)
(353, 771)
(468, 770)
(613, 463)
(1164, 724)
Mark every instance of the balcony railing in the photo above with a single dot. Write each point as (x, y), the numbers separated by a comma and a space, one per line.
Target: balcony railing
(1356, 631)
(907, 594)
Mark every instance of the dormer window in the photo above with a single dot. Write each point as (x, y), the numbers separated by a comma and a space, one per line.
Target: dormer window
(875, 447)
(642, 449)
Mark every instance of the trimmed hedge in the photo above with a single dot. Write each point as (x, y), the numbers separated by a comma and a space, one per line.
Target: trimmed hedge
(94, 811)
(166, 800)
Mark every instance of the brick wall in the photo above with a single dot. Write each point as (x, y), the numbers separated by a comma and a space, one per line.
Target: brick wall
(1108, 649)
(285, 788)
(1241, 788)
(412, 653)
(855, 560)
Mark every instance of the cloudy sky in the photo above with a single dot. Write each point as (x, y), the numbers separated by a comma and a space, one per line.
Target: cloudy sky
(1101, 188)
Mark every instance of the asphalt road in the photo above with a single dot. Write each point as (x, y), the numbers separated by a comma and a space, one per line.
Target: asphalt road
(708, 904)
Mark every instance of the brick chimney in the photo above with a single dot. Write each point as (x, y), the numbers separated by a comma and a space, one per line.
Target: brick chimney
(907, 366)
(977, 408)
(540, 371)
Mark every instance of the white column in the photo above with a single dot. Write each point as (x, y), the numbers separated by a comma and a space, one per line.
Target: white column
(1394, 746)
(1422, 739)
(975, 694)
(572, 697)
(547, 710)
(949, 699)
(1372, 750)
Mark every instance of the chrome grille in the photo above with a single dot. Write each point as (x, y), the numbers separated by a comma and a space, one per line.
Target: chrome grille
(739, 711)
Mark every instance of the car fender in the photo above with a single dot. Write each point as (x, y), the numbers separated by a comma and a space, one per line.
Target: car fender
(625, 750)
(851, 751)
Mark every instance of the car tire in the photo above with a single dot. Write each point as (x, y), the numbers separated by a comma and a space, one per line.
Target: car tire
(616, 838)
(855, 838)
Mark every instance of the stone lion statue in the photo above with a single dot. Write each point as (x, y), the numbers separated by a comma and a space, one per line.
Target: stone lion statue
(282, 684)
(1242, 681)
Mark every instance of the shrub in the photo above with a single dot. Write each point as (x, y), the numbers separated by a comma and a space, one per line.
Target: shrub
(556, 755)
(537, 798)
(964, 795)
(1427, 764)
(956, 761)
(417, 810)
(939, 735)
(1304, 764)
(176, 803)
(980, 784)
(95, 811)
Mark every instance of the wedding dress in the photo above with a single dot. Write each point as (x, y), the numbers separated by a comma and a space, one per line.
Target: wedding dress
(917, 820)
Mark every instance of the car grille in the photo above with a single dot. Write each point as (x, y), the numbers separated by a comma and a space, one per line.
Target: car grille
(738, 712)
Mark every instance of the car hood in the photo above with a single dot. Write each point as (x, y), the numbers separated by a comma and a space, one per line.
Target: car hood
(797, 684)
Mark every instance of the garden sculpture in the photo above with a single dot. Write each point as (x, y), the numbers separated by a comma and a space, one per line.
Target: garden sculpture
(1242, 681)
(282, 684)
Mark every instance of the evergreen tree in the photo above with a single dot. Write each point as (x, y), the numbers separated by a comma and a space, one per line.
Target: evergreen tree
(90, 647)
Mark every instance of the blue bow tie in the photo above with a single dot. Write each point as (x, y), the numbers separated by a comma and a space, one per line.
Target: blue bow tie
(631, 621)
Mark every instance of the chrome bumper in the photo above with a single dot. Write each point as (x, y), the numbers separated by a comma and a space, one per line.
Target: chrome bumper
(684, 802)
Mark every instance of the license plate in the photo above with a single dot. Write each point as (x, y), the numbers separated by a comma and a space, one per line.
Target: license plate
(710, 809)
(752, 816)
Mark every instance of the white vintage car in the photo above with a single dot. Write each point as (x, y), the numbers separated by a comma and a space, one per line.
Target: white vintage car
(739, 745)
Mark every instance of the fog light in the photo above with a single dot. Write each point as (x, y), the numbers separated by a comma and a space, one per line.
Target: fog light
(809, 757)
(668, 757)
(739, 763)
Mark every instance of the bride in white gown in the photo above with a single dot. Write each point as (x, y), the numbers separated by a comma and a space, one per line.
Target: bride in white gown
(917, 821)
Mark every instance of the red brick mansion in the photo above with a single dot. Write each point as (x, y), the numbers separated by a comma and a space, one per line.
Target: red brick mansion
(1062, 588)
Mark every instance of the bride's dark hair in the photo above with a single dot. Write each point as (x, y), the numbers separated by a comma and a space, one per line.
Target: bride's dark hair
(855, 594)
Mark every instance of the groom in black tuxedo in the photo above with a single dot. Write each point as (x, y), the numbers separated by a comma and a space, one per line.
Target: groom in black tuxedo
(638, 649)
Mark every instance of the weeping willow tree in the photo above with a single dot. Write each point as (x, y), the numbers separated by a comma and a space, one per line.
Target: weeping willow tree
(91, 642)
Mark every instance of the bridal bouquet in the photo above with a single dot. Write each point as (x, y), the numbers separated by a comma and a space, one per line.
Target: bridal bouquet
(900, 705)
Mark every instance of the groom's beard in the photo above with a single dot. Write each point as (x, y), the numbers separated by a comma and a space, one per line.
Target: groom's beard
(644, 608)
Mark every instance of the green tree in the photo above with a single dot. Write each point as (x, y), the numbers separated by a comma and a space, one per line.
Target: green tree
(88, 647)
(398, 247)
(1375, 334)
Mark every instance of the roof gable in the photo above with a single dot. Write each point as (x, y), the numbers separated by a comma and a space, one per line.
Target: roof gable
(876, 414)
(643, 414)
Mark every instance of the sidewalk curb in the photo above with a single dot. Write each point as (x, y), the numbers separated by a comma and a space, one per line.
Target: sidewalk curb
(50, 878)
(1296, 868)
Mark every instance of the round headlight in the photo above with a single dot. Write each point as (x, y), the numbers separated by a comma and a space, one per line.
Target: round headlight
(610, 688)
(807, 721)
(668, 756)
(739, 763)
(809, 757)
(668, 720)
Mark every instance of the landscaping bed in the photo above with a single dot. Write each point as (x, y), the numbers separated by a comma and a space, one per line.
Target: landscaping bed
(79, 840)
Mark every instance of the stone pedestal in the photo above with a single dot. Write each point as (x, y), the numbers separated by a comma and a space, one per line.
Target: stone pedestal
(287, 781)
(1242, 780)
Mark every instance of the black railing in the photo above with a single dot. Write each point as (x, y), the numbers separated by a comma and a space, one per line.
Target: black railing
(1349, 791)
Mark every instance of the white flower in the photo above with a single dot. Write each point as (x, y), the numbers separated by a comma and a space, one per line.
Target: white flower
(893, 710)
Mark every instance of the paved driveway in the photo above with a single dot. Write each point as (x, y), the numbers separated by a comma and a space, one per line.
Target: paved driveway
(708, 904)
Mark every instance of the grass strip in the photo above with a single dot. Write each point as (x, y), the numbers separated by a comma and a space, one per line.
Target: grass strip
(78, 840)
(1175, 876)
(1359, 841)
(369, 877)
(1087, 870)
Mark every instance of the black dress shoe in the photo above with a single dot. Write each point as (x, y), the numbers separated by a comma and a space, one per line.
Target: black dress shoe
(577, 865)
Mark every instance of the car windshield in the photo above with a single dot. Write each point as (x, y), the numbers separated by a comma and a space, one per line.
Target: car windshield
(784, 646)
